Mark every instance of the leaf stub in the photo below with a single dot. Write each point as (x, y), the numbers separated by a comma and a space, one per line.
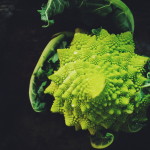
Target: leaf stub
(100, 141)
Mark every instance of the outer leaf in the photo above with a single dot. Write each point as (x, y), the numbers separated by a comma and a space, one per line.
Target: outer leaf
(45, 66)
(121, 13)
(123, 16)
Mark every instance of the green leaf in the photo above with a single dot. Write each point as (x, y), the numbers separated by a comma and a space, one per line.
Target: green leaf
(122, 15)
(52, 8)
(39, 106)
(100, 141)
(39, 77)
(54, 58)
(41, 88)
(50, 72)
(45, 66)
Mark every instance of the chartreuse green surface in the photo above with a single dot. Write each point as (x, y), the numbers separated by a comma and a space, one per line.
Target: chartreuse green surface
(98, 84)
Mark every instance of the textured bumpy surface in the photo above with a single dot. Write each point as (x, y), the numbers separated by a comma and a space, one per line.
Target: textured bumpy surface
(97, 83)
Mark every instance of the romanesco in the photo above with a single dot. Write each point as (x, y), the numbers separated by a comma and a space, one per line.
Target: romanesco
(98, 83)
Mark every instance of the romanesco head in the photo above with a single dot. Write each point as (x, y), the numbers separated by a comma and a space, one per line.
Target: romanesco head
(97, 84)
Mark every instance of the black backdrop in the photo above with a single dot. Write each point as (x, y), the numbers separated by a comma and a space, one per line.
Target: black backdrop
(21, 42)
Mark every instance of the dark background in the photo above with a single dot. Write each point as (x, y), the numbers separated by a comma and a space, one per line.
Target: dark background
(22, 40)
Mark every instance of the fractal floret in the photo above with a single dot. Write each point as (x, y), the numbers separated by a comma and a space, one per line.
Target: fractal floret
(99, 85)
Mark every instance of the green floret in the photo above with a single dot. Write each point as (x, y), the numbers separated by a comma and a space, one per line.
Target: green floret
(98, 81)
